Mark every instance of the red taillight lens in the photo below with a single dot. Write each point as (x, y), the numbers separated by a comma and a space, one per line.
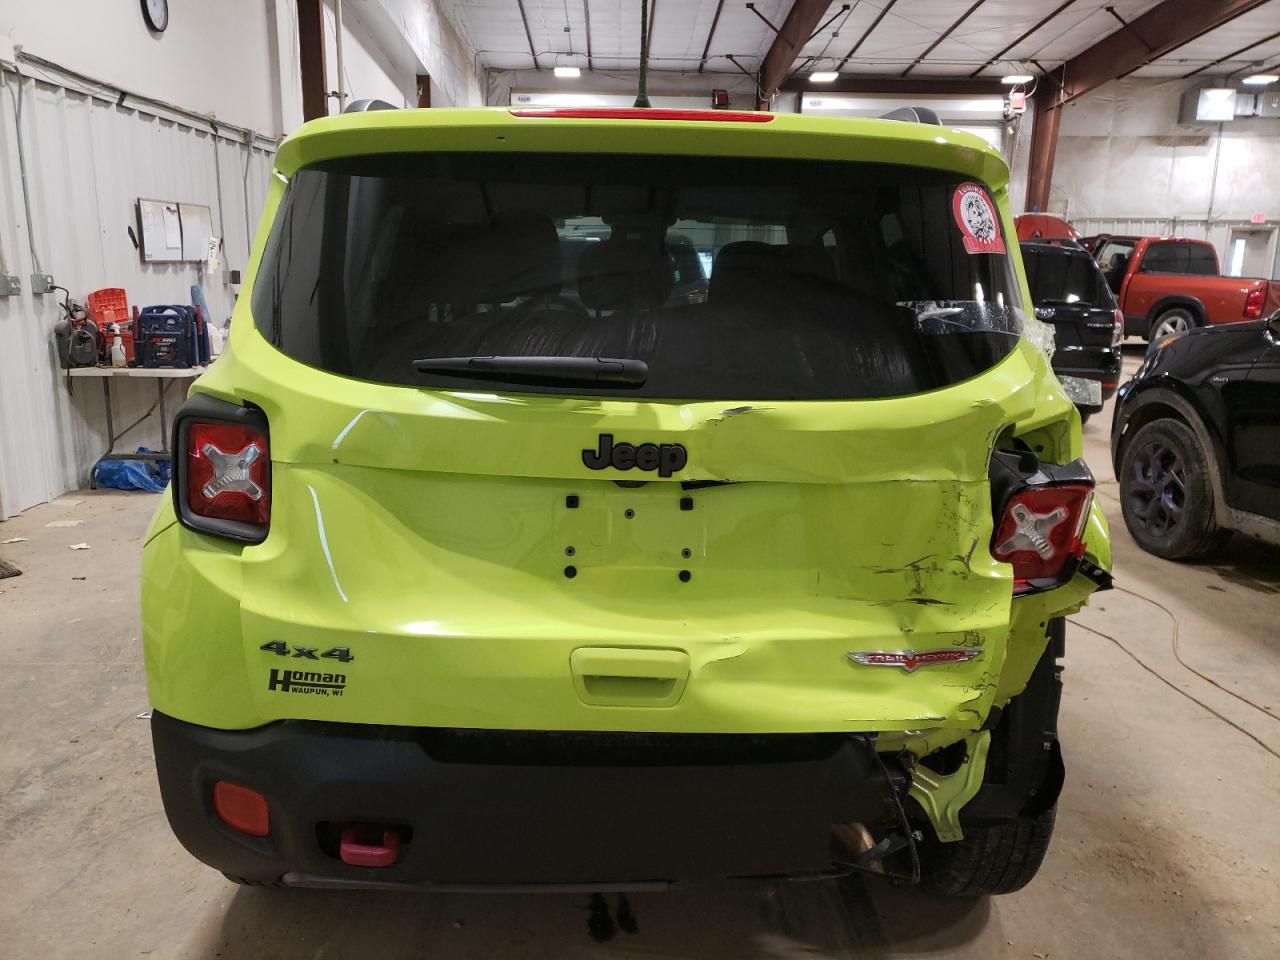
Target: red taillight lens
(1254, 301)
(228, 473)
(240, 808)
(1042, 528)
(1118, 335)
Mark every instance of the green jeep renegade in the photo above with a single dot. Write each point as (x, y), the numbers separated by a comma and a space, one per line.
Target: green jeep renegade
(622, 498)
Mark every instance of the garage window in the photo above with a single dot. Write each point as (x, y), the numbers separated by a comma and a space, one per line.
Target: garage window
(729, 277)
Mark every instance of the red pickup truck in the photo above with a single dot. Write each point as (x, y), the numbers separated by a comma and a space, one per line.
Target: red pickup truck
(1171, 284)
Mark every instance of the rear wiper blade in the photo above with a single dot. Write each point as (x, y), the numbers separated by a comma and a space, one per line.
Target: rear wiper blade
(565, 370)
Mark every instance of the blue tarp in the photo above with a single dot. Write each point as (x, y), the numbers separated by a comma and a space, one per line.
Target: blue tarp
(149, 475)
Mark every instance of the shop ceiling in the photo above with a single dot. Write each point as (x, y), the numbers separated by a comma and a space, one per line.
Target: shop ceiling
(878, 39)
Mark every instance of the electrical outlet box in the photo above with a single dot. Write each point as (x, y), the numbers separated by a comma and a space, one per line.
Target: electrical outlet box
(10, 285)
(41, 283)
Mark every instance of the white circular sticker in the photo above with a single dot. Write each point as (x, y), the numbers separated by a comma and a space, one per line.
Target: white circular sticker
(976, 217)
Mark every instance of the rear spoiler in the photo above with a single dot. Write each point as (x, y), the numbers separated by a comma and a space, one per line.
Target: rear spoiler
(913, 115)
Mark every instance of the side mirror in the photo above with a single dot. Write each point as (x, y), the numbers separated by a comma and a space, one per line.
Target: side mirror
(1273, 327)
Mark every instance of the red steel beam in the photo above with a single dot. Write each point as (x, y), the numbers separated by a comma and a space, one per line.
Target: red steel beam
(1159, 31)
(802, 19)
(1044, 147)
(315, 92)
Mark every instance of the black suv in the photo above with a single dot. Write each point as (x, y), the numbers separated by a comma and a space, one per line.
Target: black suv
(1070, 292)
(1196, 440)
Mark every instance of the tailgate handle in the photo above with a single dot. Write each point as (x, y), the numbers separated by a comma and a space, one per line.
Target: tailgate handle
(623, 677)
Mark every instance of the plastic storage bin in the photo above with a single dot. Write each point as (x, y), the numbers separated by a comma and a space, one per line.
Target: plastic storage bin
(111, 305)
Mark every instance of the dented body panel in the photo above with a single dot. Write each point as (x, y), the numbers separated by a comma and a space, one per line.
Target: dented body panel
(445, 576)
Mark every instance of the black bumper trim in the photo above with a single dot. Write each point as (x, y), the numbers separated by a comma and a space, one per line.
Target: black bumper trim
(480, 820)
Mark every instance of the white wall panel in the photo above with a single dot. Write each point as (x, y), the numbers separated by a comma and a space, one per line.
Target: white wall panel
(213, 58)
(1122, 153)
(88, 160)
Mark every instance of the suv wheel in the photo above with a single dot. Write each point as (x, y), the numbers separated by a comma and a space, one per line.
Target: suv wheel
(1173, 320)
(991, 859)
(1166, 495)
(1008, 825)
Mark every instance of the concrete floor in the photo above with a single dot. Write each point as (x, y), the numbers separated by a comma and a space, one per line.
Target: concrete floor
(1166, 843)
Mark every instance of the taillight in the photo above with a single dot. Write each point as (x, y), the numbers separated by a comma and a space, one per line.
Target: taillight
(1117, 335)
(1042, 531)
(1254, 301)
(222, 479)
(227, 473)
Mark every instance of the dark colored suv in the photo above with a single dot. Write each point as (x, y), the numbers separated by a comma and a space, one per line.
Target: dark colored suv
(1071, 293)
(1196, 440)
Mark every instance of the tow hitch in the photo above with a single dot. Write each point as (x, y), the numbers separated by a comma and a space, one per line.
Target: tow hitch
(369, 845)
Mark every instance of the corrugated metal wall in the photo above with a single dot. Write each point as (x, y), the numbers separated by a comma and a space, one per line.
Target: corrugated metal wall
(88, 159)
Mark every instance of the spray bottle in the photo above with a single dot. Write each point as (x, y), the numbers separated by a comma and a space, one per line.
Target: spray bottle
(117, 346)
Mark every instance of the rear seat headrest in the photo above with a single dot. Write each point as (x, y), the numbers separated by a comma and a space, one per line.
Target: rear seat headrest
(481, 262)
(623, 272)
(748, 269)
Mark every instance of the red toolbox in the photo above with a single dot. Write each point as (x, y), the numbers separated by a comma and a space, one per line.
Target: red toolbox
(111, 305)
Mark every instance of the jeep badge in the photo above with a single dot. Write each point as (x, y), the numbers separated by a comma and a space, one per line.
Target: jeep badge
(666, 458)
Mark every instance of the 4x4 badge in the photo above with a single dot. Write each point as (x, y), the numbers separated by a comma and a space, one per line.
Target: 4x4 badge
(909, 660)
(666, 458)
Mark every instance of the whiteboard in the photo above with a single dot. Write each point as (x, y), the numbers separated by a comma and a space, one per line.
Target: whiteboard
(160, 224)
(197, 228)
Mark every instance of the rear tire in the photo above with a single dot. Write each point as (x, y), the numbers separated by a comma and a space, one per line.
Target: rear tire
(1166, 495)
(1171, 321)
(1084, 416)
(991, 859)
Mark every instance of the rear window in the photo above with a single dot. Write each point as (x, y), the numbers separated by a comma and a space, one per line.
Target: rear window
(1184, 258)
(1059, 275)
(728, 277)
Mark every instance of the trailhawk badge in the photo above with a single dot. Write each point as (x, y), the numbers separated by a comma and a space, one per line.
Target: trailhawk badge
(910, 660)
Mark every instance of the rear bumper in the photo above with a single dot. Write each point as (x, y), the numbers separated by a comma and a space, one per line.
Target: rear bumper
(501, 809)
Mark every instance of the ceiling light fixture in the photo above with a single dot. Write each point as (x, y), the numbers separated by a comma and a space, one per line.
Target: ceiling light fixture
(1016, 79)
(1260, 79)
(824, 76)
(568, 73)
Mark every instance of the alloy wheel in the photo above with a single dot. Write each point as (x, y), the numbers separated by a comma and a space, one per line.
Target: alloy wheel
(1158, 489)
(1175, 321)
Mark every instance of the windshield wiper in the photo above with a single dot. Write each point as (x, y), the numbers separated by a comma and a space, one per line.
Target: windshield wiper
(562, 370)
